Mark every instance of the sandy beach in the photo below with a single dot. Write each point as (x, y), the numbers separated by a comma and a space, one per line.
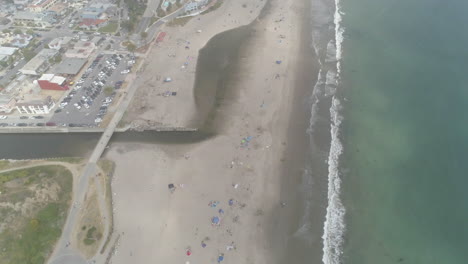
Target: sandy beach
(176, 57)
(232, 191)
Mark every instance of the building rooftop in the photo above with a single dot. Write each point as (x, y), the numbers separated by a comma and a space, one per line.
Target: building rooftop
(52, 78)
(58, 42)
(92, 22)
(38, 60)
(7, 51)
(35, 102)
(26, 15)
(70, 66)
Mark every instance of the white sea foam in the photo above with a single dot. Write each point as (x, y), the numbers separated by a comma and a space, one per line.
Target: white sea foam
(334, 226)
(315, 98)
(339, 31)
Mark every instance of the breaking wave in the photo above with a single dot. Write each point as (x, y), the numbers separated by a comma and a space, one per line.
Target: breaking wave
(334, 226)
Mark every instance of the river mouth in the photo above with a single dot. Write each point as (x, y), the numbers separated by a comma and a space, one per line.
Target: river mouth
(216, 74)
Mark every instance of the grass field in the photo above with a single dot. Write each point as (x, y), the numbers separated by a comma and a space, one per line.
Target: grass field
(29, 229)
(179, 22)
(111, 27)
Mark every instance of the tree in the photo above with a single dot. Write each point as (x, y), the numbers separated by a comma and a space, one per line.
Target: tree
(131, 47)
(18, 31)
(6, 30)
(30, 32)
(144, 34)
(108, 90)
(28, 54)
(128, 25)
(58, 58)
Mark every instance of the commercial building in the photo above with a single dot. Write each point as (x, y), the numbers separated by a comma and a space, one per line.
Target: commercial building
(41, 5)
(6, 52)
(40, 63)
(52, 82)
(58, 9)
(7, 104)
(59, 43)
(82, 50)
(33, 19)
(36, 107)
(70, 66)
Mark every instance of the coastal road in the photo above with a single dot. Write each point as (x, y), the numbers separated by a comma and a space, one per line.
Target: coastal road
(150, 11)
(64, 254)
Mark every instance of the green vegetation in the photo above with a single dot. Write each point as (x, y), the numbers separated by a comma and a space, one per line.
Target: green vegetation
(6, 30)
(159, 12)
(131, 47)
(179, 21)
(135, 12)
(111, 27)
(4, 164)
(144, 34)
(29, 237)
(108, 168)
(28, 54)
(17, 31)
(56, 59)
(106, 165)
(108, 90)
(91, 236)
(153, 19)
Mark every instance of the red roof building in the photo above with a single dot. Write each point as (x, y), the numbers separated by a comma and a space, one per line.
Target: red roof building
(52, 82)
(91, 23)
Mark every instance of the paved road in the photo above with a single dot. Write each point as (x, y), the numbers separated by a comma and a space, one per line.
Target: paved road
(63, 254)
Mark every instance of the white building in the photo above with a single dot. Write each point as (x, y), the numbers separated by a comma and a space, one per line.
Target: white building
(36, 107)
(6, 52)
(195, 5)
(58, 43)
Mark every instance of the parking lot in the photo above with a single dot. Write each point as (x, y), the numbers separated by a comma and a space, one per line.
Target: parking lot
(87, 102)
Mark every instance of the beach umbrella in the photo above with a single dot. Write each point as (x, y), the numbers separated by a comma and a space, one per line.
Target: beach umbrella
(215, 220)
(220, 258)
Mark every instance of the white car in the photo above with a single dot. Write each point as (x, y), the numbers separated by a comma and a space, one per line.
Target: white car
(3, 117)
(97, 120)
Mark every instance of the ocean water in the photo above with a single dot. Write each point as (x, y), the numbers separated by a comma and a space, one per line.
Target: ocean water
(398, 161)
